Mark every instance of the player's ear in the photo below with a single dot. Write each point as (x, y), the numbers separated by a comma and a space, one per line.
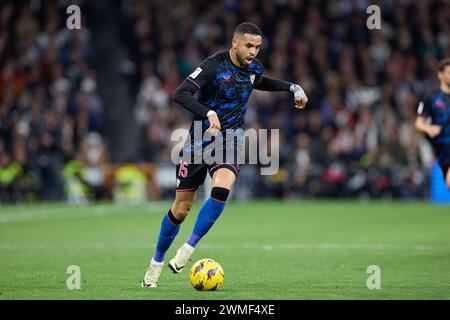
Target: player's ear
(234, 42)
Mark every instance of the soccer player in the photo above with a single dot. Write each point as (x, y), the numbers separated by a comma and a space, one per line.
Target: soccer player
(433, 118)
(224, 82)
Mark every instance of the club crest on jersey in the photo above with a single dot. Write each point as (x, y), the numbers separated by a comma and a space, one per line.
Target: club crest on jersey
(252, 78)
(439, 103)
(226, 76)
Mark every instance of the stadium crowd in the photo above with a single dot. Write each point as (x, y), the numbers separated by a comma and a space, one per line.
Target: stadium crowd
(48, 100)
(355, 139)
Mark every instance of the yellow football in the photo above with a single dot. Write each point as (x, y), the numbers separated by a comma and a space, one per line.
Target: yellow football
(206, 275)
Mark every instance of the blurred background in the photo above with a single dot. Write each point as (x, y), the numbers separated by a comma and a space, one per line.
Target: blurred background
(86, 115)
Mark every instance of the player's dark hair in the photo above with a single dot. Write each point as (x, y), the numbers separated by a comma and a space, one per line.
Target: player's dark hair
(443, 63)
(248, 27)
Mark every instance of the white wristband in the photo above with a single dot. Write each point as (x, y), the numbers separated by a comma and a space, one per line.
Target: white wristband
(210, 113)
(297, 90)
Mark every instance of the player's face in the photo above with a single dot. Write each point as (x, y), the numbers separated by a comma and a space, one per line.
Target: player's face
(246, 47)
(444, 76)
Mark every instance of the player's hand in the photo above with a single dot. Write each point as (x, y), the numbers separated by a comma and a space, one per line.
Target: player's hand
(214, 123)
(300, 98)
(300, 102)
(434, 130)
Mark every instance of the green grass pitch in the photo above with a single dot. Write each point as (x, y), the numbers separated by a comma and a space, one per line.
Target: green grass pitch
(268, 249)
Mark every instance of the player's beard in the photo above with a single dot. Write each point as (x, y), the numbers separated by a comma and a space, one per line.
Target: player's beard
(242, 61)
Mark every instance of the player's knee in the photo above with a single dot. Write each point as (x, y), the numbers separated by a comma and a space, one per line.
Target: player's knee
(180, 214)
(181, 209)
(224, 178)
(219, 193)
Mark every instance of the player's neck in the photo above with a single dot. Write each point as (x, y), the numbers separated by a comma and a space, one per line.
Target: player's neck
(234, 59)
(445, 89)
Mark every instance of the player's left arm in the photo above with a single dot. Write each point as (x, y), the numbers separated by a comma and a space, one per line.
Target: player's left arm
(268, 84)
(423, 119)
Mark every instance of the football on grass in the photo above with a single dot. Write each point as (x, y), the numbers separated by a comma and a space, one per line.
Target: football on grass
(206, 275)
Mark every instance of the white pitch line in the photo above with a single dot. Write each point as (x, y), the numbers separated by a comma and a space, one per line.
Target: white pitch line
(78, 212)
(215, 246)
(346, 246)
(68, 207)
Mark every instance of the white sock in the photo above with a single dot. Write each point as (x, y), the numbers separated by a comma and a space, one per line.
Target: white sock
(156, 263)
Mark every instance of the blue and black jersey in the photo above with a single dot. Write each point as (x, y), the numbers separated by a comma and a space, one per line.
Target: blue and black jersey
(224, 88)
(437, 107)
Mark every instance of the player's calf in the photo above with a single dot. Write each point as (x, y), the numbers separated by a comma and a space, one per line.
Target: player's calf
(209, 213)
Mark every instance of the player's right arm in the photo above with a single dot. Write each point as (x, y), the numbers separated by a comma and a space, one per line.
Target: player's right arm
(184, 94)
(422, 123)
